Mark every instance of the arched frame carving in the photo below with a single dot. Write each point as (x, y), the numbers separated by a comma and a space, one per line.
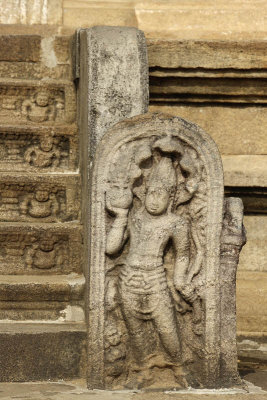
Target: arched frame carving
(123, 133)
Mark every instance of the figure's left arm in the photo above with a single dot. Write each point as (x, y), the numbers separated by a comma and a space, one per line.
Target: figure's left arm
(181, 242)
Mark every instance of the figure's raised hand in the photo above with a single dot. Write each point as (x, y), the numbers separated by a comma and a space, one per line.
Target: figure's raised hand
(119, 200)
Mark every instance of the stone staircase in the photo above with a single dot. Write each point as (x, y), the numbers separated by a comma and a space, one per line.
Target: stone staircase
(42, 327)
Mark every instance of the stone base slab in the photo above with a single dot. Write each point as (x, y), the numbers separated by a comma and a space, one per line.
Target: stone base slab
(70, 391)
(41, 351)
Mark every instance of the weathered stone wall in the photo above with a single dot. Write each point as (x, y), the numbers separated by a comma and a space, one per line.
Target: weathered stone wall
(218, 82)
(157, 18)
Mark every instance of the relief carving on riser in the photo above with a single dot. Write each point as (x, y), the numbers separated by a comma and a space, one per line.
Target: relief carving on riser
(25, 200)
(35, 252)
(29, 102)
(44, 152)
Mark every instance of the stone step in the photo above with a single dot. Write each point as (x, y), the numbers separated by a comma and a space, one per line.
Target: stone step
(32, 56)
(39, 248)
(41, 288)
(42, 311)
(39, 198)
(46, 102)
(38, 148)
(41, 351)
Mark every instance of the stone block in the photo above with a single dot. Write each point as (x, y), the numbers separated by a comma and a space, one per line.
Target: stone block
(31, 12)
(92, 13)
(208, 54)
(20, 48)
(196, 19)
(34, 56)
(245, 170)
(244, 127)
(35, 352)
(31, 198)
(41, 288)
(37, 102)
(253, 256)
(35, 249)
(55, 311)
(38, 149)
(251, 301)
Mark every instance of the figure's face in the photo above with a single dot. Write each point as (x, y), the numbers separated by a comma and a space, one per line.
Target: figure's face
(46, 245)
(46, 144)
(157, 200)
(42, 99)
(41, 195)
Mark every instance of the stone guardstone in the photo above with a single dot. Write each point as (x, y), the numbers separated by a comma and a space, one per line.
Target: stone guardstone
(163, 252)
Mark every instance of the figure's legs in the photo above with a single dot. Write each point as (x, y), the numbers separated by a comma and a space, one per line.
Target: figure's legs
(137, 327)
(138, 333)
(166, 326)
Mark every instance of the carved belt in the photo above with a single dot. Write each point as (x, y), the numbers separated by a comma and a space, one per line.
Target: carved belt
(143, 281)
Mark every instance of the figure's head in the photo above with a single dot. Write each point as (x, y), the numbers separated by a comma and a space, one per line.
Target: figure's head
(41, 195)
(42, 98)
(47, 242)
(46, 143)
(46, 245)
(160, 187)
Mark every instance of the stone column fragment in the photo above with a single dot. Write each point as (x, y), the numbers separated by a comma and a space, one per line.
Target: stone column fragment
(111, 63)
(232, 240)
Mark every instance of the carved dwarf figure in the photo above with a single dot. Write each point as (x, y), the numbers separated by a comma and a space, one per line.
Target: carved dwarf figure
(40, 204)
(39, 108)
(46, 254)
(43, 155)
(143, 290)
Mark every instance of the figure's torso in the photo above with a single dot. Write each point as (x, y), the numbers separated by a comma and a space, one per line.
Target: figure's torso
(40, 209)
(148, 238)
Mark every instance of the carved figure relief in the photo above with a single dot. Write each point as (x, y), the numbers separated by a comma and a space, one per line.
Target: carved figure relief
(32, 201)
(31, 103)
(143, 197)
(32, 253)
(157, 220)
(45, 254)
(39, 108)
(40, 204)
(44, 152)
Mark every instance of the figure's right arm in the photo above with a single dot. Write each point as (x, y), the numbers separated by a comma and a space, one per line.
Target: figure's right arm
(25, 106)
(118, 233)
(28, 154)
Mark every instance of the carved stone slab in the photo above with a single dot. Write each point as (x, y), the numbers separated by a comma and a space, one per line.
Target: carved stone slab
(27, 101)
(155, 279)
(37, 149)
(39, 199)
(39, 249)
